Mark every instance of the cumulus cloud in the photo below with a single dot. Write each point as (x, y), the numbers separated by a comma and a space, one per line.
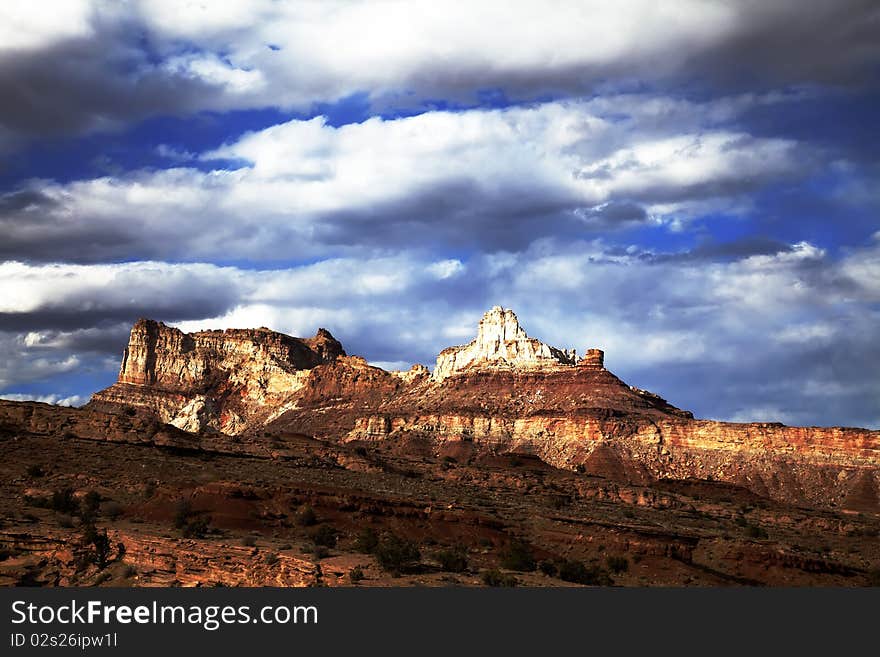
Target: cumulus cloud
(59, 400)
(94, 65)
(18, 364)
(71, 296)
(490, 179)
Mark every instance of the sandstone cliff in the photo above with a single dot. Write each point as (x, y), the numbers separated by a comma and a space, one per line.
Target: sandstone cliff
(221, 380)
(502, 392)
(500, 342)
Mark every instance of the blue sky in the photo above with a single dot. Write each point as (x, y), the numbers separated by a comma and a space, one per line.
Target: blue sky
(691, 186)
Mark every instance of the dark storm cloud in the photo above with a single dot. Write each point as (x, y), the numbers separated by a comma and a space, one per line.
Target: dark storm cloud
(611, 214)
(712, 251)
(103, 81)
(65, 319)
(69, 297)
(106, 338)
(120, 73)
(816, 382)
(763, 45)
(13, 204)
(458, 214)
(835, 42)
(42, 229)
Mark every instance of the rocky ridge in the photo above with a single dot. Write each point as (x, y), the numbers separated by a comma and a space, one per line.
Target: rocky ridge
(500, 342)
(214, 380)
(502, 392)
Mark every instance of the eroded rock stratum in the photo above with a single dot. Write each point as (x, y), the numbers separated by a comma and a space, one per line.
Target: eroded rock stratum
(502, 392)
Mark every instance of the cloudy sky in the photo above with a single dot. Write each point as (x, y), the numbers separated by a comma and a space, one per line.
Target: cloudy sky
(691, 186)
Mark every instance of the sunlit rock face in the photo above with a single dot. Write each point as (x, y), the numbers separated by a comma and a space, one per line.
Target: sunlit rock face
(502, 392)
(221, 380)
(500, 342)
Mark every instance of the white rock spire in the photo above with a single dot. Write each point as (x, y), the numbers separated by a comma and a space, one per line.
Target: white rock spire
(500, 342)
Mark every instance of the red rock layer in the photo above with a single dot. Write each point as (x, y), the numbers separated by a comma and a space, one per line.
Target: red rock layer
(579, 417)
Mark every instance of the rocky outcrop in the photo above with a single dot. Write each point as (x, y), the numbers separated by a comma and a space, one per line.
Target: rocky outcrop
(221, 380)
(500, 343)
(815, 466)
(502, 392)
(509, 393)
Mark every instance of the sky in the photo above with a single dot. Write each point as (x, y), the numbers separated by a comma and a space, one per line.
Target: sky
(690, 186)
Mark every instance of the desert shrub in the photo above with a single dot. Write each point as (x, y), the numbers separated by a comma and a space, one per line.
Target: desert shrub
(558, 501)
(90, 505)
(617, 565)
(356, 574)
(453, 560)
(190, 524)
(548, 568)
(196, 528)
(271, 559)
(112, 509)
(248, 541)
(35, 471)
(495, 577)
(6, 553)
(754, 531)
(518, 556)
(367, 541)
(320, 552)
(325, 535)
(396, 554)
(65, 521)
(306, 516)
(577, 573)
(94, 547)
(63, 501)
(182, 512)
(150, 489)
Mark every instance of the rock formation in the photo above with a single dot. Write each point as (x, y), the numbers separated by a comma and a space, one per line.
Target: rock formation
(222, 380)
(502, 392)
(500, 342)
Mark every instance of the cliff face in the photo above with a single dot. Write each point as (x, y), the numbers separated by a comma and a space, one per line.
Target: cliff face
(804, 465)
(221, 380)
(502, 392)
(165, 357)
(500, 342)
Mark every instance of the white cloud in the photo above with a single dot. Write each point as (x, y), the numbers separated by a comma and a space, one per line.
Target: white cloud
(305, 189)
(111, 64)
(112, 288)
(215, 71)
(324, 51)
(59, 400)
(446, 268)
(28, 25)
